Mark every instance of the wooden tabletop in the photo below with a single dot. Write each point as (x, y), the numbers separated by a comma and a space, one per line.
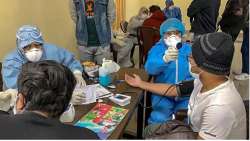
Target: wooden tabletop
(123, 88)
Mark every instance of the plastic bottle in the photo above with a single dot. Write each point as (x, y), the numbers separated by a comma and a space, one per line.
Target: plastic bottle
(104, 76)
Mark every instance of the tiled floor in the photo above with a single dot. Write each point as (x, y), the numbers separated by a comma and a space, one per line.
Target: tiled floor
(242, 86)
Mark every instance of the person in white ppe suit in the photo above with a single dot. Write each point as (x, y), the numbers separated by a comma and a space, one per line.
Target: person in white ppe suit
(30, 46)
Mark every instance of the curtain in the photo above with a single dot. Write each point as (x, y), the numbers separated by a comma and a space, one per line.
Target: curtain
(120, 13)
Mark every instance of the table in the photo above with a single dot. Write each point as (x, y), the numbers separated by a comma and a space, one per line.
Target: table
(135, 93)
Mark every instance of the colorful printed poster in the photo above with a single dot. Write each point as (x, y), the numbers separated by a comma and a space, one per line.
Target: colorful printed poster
(102, 119)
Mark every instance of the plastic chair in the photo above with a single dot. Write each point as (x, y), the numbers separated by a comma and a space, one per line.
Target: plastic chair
(147, 37)
(123, 26)
(114, 52)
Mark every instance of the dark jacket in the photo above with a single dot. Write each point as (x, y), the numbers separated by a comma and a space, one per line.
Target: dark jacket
(203, 15)
(155, 20)
(30, 125)
(232, 22)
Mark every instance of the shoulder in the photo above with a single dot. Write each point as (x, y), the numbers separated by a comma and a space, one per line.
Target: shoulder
(13, 58)
(52, 48)
(13, 54)
(132, 18)
(225, 94)
(159, 46)
(186, 47)
(176, 7)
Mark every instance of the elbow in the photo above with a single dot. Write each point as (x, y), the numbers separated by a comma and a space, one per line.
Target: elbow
(150, 70)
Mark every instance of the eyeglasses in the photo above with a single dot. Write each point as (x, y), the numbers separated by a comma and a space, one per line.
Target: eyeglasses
(31, 46)
(169, 33)
(26, 33)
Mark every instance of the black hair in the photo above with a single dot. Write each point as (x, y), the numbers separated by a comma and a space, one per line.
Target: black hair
(154, 8)
(47, 86)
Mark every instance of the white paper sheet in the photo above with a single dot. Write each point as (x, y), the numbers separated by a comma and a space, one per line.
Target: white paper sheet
(95, 91)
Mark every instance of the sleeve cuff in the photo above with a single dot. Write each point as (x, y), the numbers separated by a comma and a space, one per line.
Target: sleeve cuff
(77, 72)
(207, 136)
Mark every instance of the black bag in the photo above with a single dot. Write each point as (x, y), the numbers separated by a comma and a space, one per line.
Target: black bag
(173, 129)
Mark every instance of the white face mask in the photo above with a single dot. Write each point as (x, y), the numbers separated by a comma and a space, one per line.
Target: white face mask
(195, 75)
(34, 55)
(144, 16)
(172, 40)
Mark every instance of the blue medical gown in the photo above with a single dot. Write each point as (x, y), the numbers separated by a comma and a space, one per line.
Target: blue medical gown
(173, 12)
(13, 62)
(166, 73)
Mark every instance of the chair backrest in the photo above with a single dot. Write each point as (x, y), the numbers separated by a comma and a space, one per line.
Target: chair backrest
(124, 25)
(246, 103)
(114, 52)
(147, 37)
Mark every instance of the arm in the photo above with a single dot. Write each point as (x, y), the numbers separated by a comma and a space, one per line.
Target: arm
(10, 72)
(69, 60)
(72, 10)
(184, 88)
(152, 87)
(195, 7)
(155, 58)
(133, 24)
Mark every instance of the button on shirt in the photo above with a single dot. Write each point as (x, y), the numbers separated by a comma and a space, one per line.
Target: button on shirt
(218, 113)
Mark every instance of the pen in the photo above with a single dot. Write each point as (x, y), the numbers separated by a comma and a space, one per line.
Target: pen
(120, 81)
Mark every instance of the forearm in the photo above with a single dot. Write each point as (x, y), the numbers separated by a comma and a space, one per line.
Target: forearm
(194, 8)
(159, 88)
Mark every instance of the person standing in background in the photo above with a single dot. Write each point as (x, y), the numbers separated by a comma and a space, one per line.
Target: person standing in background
(234, 17)
(245, 52)
(93, 19)
(203, 16)
(156, 18)
(171, 11)
(124, 50)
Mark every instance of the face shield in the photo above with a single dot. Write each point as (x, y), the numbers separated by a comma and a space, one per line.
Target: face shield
(28, 38)
(27, 35)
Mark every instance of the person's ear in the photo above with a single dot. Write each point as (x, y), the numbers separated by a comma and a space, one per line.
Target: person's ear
(20, 102)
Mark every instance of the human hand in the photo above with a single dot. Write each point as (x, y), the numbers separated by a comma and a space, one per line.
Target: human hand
(171, 54)
(133, 81)
(79, 79)
(77, 97)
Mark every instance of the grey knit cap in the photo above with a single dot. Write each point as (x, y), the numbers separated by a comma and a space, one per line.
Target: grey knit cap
(213, 52)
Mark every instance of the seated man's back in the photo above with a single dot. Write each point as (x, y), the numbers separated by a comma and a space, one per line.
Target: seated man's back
(44, 92)
(30, 125)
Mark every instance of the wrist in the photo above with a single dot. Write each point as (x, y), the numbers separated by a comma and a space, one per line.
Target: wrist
(142, 85)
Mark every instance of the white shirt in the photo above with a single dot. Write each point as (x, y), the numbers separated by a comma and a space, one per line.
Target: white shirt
(218, 113)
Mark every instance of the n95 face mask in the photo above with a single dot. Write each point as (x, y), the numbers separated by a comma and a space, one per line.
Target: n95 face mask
(172, 40)
(34, 55)
(195, 75)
